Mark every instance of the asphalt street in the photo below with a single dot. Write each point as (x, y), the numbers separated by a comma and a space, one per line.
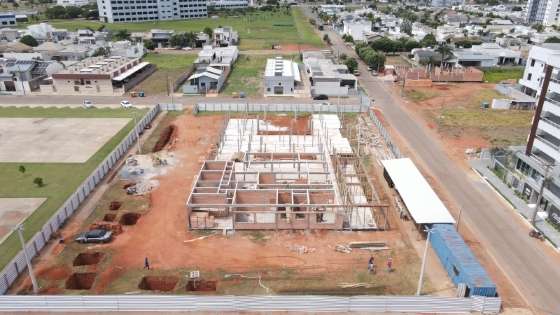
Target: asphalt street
(535, 273)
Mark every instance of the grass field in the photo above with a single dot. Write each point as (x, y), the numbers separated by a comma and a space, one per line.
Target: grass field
(61, 179)
(256, 30)
(497, 75)
(169, 67)
(247, 75)
(499, 127)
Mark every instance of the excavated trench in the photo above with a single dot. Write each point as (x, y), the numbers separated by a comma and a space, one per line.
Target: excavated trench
(201, 285)
(129, 218)
(158, 283)
(80, 281)
(109, 217)
(87, 259)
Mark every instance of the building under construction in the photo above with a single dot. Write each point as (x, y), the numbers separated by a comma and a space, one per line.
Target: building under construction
(284, 173)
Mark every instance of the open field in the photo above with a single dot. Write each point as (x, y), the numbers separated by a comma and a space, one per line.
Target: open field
(454, 111)
(31, 140)
(256, 30)
(170, 67)
(235, 262)
(60, 179)
(247, 75)
(497, 75)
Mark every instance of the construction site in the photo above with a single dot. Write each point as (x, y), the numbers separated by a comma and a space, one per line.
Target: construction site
(299, 175)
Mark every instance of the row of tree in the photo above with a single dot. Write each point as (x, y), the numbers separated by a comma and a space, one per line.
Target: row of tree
(59, 12)
(373, 58)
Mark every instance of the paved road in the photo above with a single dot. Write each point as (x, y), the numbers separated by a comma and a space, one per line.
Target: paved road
(114, 101)
(533, 271)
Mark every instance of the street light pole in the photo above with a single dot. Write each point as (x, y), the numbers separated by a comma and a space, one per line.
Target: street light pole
(19, 229)
(137, 134)
(421, 278)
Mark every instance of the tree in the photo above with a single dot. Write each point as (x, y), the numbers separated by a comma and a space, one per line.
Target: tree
(39, 181)
(428, 41)
(552, 39)
(102, 51)
(21, 169)
(383, 44)
(29, 41)
(208, 31)
(406, 27)
(72, 12)
(538, 27)
(123, 34)
(444, 51)
(348, 38)
(149, 44)
(352, 64)
(56, 12)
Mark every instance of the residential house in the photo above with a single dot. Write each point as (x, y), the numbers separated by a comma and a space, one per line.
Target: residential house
(9, 34)
(328, 78)
(43, 32)
(205, 80)
(217, 57)
(21, 77)
(281, 76)
(225, 36)
(160, 37)
(485, 55)
(357, 28)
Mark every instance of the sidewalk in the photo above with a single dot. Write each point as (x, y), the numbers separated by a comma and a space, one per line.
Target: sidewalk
(481, 167)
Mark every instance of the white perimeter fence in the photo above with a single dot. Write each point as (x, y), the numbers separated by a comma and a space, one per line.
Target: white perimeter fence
(295, 107)
(40, 239)
(301, 303)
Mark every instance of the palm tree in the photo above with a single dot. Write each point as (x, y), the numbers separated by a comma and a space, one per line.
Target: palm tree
(444, 50)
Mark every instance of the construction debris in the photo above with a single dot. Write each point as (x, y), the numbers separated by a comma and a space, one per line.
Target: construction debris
(345, 285)
(343, 248)
(301, 249)
(142, 188)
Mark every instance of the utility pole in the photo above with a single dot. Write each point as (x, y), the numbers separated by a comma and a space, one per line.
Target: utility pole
(137, 134)
(541, 191)
(421, 278)
(459, 218)
(19, 229)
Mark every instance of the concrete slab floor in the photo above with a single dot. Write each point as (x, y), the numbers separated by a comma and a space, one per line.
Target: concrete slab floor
(14, 210)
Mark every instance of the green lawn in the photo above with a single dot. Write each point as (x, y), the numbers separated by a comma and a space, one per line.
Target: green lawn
(497, 75)
(257, 30)
(247, 75)
(61, 179)
(170, 66)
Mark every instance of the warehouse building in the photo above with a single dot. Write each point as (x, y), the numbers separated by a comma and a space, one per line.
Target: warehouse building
(281, 77)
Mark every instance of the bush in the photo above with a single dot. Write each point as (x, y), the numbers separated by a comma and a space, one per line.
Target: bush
(39, 181)
(29, 41)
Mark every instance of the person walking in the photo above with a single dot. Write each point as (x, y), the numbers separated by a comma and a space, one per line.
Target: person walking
(371, 265)
(146, 263)
(389, 264)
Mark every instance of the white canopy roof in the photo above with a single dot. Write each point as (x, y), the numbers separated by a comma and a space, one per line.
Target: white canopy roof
(422, 203)
(130, 71)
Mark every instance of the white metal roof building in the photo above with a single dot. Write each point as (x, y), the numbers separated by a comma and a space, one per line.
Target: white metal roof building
(281, 76)
(423, 204)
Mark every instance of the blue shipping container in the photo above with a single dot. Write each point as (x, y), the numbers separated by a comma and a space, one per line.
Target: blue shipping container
(459, 262)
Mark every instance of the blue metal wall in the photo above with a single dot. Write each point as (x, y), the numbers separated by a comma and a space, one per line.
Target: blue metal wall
(459, 262)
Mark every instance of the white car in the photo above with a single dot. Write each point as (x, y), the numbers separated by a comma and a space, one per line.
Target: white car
(126, 104)
(87, 104)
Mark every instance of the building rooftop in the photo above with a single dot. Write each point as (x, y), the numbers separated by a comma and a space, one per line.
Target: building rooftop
(97, 65)
(280, 67)
(319, 66)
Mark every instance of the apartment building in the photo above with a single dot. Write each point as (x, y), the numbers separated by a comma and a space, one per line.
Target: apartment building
(541, 157)
(150, 10)
(544, 12)
(227, 4)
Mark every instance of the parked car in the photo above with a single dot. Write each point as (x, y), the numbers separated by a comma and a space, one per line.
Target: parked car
(126, 104)
(87, 104)
(320, 97)
(95, 236)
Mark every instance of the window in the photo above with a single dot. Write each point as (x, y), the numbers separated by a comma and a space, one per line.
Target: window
(88, 82)
(532, 62)
(529, 76)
